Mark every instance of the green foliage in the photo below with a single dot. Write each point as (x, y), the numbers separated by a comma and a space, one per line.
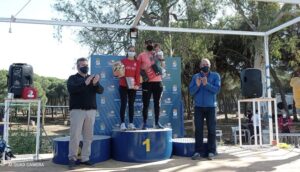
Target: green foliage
(57, 92)
(228, 54)
(46, 145)
(3, 84)
(22, 141)
(158, 13)
(191, 47)
(50, 90)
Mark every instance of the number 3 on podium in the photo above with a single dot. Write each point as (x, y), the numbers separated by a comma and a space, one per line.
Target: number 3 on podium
(147, 143)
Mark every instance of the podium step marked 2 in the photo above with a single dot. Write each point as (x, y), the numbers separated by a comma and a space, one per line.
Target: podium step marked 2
(186, 147)
(100, 149)
(142, 145)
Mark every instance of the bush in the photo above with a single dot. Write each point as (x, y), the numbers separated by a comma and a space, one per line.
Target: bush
(22, 141)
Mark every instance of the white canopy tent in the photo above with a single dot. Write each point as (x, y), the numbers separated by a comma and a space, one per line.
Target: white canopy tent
(140, 11)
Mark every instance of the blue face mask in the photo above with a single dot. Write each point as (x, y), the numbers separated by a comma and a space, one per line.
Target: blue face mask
(205, 69)
(84, 69)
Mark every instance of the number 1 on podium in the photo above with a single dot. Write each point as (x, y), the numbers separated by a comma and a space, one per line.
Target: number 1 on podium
(147, 143)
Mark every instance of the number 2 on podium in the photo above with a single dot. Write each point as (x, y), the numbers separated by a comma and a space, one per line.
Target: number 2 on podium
(147, 143)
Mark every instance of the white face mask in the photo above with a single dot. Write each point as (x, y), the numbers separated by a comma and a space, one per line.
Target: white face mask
(131, 54)
(160, 53)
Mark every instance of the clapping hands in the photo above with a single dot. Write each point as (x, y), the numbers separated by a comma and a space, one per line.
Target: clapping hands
(202, 80)
(92, 78)
(96, 79)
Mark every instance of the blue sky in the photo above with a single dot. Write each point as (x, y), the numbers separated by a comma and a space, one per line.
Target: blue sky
(34, 44)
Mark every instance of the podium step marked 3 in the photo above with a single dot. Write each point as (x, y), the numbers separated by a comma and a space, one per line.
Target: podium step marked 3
(186, 147)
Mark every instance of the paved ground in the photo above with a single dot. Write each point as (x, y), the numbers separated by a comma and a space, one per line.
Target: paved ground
(231, 158)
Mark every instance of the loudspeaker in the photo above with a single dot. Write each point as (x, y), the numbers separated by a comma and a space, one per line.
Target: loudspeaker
(251, 83)
(19, 76)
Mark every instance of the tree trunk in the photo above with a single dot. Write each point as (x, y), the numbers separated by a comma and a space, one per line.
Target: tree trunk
(225, 107)
(189, 111)
(260, 63)
(281, 91)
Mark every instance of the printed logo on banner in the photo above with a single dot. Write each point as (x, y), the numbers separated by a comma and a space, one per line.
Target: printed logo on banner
(112, 113)
(174, 64)
(138, 104)
(164, 88)
(102, 126)
(150, 114)
(97, 114)
(138, 113)
(163, 112)
(102, 75)
(139, 92)
(174, 89)
(174, 113)
(111, 62)
(117, 100)
(111, 87)
(98, 62)
(102, 100)
(168, 100)
(168, 76)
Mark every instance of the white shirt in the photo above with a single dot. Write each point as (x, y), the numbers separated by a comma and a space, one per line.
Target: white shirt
(255, 120)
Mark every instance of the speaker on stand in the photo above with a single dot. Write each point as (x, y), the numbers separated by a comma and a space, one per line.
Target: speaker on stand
(251, 83)
(20, 75)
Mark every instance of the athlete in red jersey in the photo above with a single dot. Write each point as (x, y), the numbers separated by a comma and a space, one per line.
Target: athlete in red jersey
(128, 86)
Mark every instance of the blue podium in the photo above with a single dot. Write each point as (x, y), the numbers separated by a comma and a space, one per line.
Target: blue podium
(142, 145)
(100, 149)
(186, 147)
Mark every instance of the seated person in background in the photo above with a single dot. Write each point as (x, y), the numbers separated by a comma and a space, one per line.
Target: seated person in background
(249, 116)
(255, 122)
(285, 123)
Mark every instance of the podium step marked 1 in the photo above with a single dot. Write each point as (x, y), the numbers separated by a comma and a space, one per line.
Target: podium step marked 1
(142, 145)
(100, 149)
(186, 147)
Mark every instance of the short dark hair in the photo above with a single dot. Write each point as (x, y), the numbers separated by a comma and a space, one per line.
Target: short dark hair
(130, 46)
(81, 59)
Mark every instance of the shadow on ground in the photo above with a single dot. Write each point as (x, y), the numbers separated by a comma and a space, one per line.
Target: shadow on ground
(231, 158)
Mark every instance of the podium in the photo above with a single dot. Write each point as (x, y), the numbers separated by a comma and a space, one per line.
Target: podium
(142, 145)
(100, 149)
(186, 147)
